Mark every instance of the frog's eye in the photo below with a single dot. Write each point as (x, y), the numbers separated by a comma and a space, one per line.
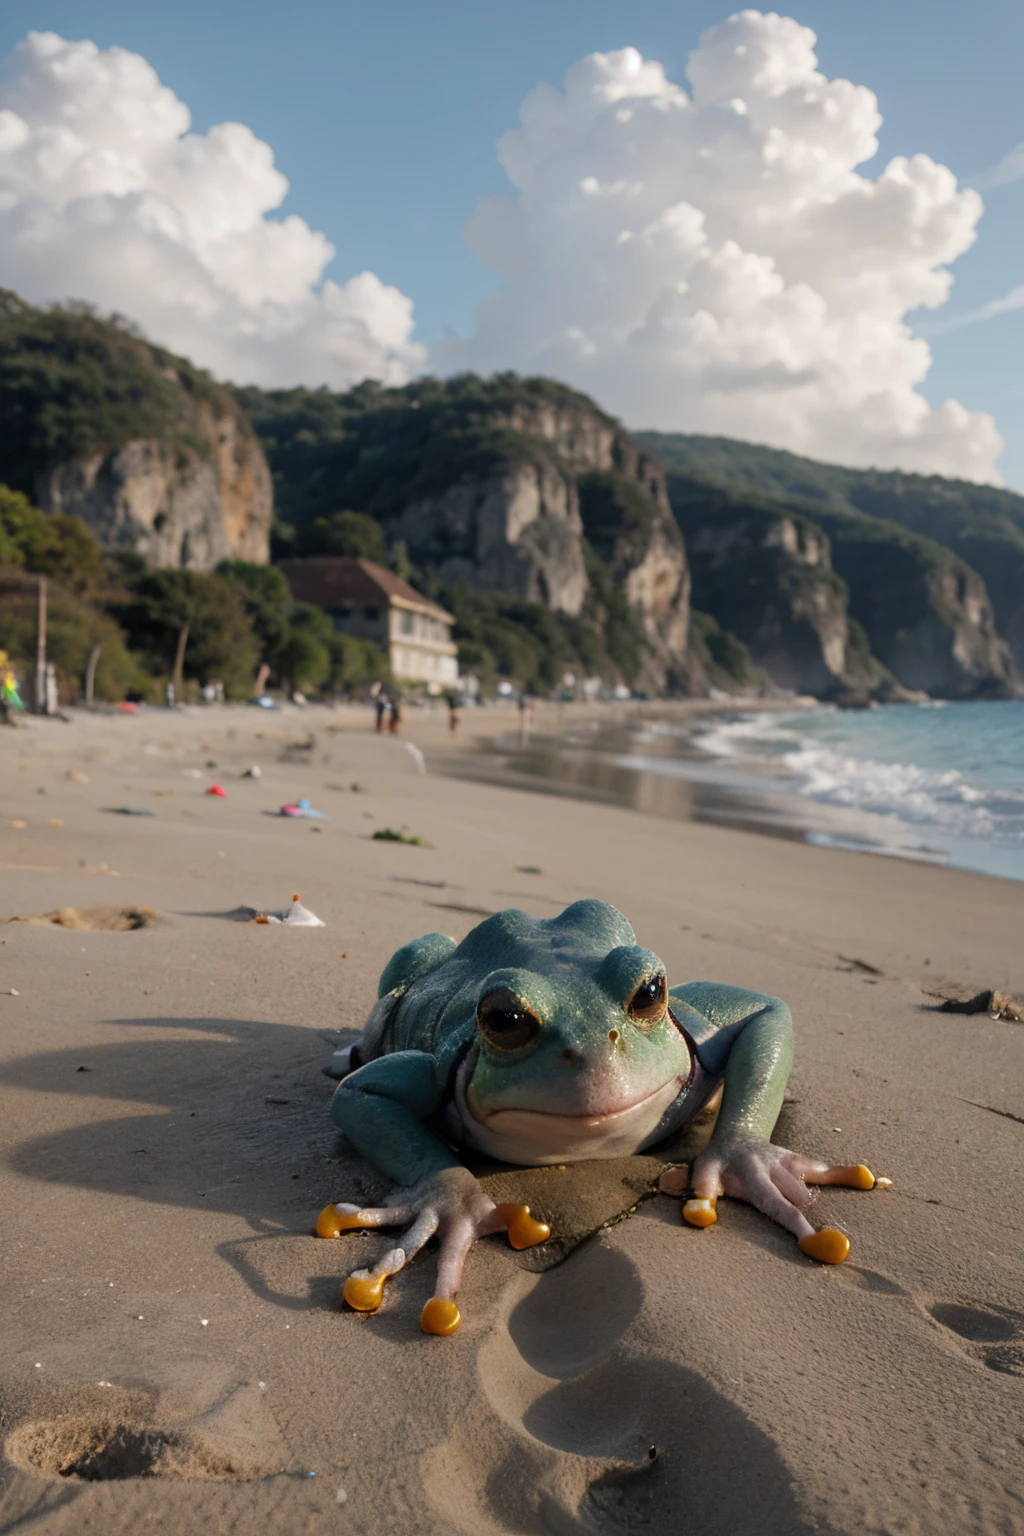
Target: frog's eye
(505, 1021)
(648, 1004)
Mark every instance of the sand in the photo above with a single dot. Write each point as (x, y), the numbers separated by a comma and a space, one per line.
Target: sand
(172, 1336)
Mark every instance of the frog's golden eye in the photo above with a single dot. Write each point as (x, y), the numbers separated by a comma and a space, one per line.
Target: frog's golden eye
(648, 1004)
(505, 1021)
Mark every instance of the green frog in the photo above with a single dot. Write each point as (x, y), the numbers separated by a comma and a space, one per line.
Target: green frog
(546, 1041)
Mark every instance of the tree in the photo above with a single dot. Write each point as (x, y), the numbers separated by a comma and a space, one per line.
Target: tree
(222, 645)
(346, 533)
(48, 543)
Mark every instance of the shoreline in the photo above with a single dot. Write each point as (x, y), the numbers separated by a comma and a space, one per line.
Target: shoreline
(613, 760)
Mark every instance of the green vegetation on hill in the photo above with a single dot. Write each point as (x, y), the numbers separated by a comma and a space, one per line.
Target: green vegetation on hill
(74, 384)
(375, 450)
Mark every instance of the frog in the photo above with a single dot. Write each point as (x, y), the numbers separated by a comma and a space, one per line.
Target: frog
(545, 1041)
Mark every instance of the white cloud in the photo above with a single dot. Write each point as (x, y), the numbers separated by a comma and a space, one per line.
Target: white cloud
(713, 262)
(105, 195)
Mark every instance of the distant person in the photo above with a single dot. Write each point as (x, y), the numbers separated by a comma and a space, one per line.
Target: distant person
(525, 714)
(395, 718)
(454, 711)
(10, 699)
(380, 704)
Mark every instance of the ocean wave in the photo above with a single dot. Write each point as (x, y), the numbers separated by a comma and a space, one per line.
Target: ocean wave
(903, 792)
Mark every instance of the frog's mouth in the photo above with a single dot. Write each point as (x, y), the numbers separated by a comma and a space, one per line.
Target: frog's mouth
(536, 1137)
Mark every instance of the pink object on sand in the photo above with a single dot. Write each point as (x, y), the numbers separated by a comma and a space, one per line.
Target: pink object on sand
(215, 789)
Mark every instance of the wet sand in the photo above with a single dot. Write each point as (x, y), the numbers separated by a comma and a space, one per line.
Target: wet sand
(166, 1149)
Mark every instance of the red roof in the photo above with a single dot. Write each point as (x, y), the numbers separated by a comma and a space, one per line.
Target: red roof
(338, 581)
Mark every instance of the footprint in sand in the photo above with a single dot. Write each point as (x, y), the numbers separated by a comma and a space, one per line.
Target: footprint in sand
(107, 1450)
(588, 1434)
(992, 1335)
(210, 1429)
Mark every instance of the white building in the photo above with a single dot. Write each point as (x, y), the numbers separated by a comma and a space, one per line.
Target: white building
(374, 604)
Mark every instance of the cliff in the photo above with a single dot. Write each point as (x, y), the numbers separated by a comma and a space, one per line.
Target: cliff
(934, 567)
(765, 574)
(520, 487)
(146, 449)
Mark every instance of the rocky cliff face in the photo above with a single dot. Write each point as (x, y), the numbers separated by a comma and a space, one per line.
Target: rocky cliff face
(174, 504)
(934, 567)
(767, 577)
(926, 613)
(567, 471)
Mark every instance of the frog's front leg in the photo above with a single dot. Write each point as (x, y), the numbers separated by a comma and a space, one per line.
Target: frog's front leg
(749, 1042)
(381, 1109)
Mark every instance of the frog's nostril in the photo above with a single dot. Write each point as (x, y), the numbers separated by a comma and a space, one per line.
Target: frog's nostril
(613, 1036)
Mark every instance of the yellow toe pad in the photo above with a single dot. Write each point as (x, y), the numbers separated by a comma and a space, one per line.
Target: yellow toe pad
(364, 1293)
(827, 1246)
(332, 1223)
(524, 1231)
(700, 1212)
(440, 1316)
(857, 1177)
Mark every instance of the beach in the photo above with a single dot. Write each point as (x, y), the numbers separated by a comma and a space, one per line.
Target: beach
(167, 1147)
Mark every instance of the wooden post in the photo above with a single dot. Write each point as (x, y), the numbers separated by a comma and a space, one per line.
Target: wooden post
(41, 649)
(90, 674)
(177, 676)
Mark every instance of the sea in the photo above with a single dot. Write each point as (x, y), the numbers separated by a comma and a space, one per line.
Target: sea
(937, 782)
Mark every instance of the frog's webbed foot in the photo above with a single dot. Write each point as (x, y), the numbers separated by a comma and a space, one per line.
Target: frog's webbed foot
(775, 1181)
(450, 1205)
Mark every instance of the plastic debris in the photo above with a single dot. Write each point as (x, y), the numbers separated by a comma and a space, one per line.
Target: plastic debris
(14, 992)
(215, 789)
(77, 776)
(129, 810)
(19, 825)
(416, 755)
(193, 773)
(303, 808)
(255, 772)
(295, 916)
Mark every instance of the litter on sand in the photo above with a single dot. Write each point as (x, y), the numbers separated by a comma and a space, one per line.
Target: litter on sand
(303, 808)
(129, 810)
(255, 772)
(389, 835)
(295, 916)
(958, 998)
(215, 789)
(77, 776)
(416, 755)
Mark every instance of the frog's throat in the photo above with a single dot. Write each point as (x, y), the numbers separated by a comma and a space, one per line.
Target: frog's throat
(534, 1137)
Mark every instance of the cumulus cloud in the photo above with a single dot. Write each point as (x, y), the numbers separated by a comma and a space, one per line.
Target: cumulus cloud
(106, 195)
(712, 261)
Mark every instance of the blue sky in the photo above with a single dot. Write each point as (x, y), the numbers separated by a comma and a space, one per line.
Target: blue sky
(384, 118)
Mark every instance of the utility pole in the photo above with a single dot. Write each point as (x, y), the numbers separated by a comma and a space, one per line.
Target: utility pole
(41, 649)
(90, 674)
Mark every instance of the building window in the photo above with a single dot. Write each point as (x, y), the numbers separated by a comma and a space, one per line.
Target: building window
(372, 614)
(406, 623)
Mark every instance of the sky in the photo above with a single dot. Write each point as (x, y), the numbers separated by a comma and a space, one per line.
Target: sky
(726, 252)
